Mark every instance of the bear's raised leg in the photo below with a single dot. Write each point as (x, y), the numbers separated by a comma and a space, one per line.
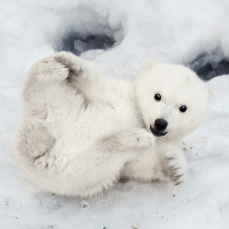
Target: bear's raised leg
(83, 74)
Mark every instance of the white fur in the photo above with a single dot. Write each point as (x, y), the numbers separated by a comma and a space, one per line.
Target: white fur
(80, 130)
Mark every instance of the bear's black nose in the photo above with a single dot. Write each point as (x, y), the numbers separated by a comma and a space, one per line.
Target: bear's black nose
(161, 124)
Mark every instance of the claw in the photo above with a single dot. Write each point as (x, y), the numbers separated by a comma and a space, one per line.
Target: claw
(175, 178)
(171, 158)
(178, 183)
(179, 176)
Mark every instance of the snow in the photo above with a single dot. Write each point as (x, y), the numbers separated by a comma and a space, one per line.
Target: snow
(174, 31)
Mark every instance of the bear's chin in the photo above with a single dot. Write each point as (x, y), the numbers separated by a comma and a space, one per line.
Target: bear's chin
(156, 133)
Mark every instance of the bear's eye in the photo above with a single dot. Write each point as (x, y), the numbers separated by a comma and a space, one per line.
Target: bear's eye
(183, 108)
(157, 97)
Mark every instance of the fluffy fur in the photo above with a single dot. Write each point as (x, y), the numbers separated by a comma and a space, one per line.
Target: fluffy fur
(81, 130)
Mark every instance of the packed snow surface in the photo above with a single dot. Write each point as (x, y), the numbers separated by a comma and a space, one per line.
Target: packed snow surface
(172, 31)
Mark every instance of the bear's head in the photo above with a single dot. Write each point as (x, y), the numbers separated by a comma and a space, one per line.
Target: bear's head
(173, 101)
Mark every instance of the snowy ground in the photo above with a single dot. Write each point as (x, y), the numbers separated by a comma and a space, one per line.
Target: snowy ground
(176, 31)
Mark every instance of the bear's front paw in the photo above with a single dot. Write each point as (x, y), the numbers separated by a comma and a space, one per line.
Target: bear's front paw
(137, 138)
(175, 167)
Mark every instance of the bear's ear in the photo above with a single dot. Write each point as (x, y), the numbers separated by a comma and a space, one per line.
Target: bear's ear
(210, 92)
(150, 63)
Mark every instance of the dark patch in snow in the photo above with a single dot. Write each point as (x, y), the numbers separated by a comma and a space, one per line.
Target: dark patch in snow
(85, 28)
(77, 44)
(208, 66)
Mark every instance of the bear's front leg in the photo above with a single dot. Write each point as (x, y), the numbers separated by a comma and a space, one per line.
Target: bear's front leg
(129, 140)
(108, 156)
(173, 165)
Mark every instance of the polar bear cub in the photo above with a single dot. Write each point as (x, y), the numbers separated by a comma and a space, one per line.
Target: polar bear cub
(81, 131)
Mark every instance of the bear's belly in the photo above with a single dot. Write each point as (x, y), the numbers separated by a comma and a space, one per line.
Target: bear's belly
(91, 126)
